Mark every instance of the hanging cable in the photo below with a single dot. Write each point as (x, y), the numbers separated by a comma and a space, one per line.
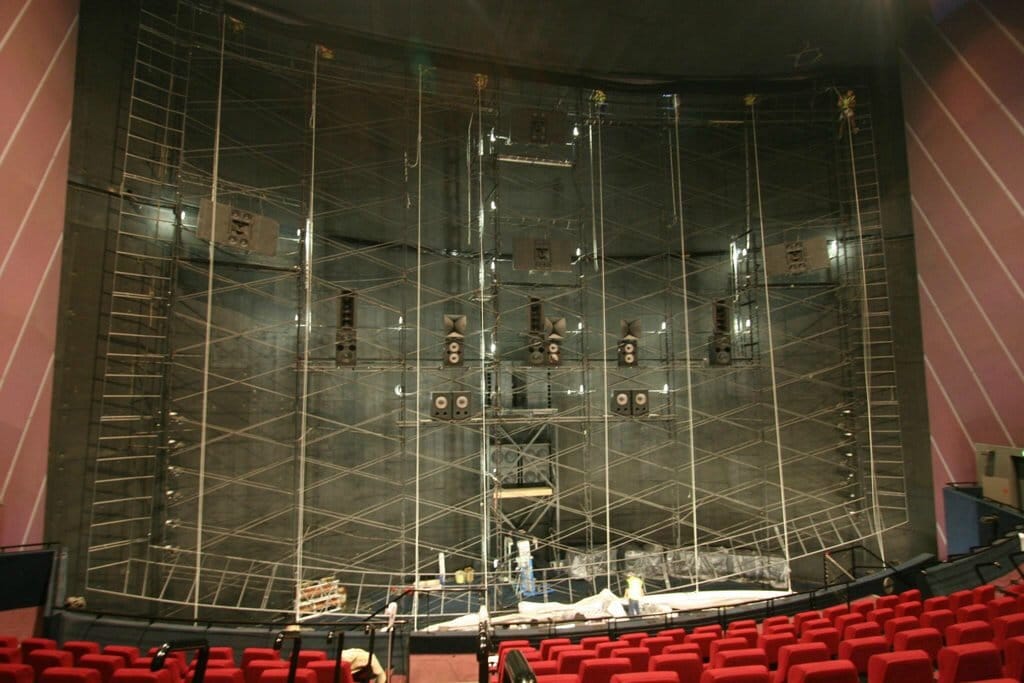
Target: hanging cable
(485, 442)
(678, 208)
(207, 333)
(752, 103)
(599, 235)
(866, 343)
(307, 323)
(419, 327)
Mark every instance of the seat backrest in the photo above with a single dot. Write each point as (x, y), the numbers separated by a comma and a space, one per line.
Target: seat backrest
(972, 613)
(676, 634)
(829, 636)
(591, 642)
(655, 644)
(709, 628)
(569, 660)
(688, 666)
(639, 657)
(937, 618)
(912, 666)
(16, 673)
(43, 658)
(601, 670)
(745, 657)
(862, 630)
(723, 644)
(859, 650)
(772, 642)
(130, 675)
(983, 594)
(928, 640)
(969, 632)
(548, 643)
(683, 649)
(1013, 658)
(897, 624)
(889, 601)
(911, 608)
(68, 674)
(325, 672)
(837, 671)
(958, 599)
(77, 648)
(736, 674)
(844, 621)
(799, 653)
(969, 662)
(634, 639)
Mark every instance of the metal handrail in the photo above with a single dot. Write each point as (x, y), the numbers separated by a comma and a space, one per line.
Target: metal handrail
(293, 662)
(201, 646)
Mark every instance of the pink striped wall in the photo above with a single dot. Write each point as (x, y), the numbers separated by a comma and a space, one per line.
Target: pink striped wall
(37, 73)
(963, 95)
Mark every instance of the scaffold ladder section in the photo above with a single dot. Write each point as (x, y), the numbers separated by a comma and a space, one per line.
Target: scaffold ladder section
(877, 427)
(130, 430)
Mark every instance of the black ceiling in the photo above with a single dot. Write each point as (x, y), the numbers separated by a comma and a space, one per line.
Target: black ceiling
(617, 38)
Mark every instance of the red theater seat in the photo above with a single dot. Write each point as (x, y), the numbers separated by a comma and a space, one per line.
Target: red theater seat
(770, 643)
(897, 624)
(77, 648)
(859, 650)
(939, 619)
(736, 674)
(741, 623)
(252, 654)
(542, 667)
(569, 660)
(129, 675)
(10, 655)
(559, 678)
(749, 634)
(255, 670)
(912, 608)
(801, 653)
(105, 664)
(838, 671)
(863, 606)
(605, 649)
(688, 667)
(591, 642)
(30, 644)
(325, 672)
(834, 612)
(936, 602)
(1001, 607)
(723, 644)
(8, 641)
(676, 634)
(126, 652)
(969, 632)
(900, 667)
(844, 621)
(683, 649)
(801, 617)
(1007, 626)
(16, 673)
(221, 652)
(43, 658)
(928, 640)
(548, 643)
(638, 657)
(887, 601)
(862, 630)
(704, 640)
(811, 624)
(960, 599)
(1013, 658)
(656, 644)
(828, 636)
(68, 674)
(882, 615)
(780, 620)
(281, 676)
(176, 655)
(912, 595)
(306, 657)
(709, 628)
(969, 662)
(972, 613)
(749, 656)
(982, 594)
(601, 670)
(634, 639)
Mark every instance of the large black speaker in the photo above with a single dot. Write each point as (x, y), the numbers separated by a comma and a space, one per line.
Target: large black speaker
(535, 352)
(640, 402)
(554, 335)
(720, 349)
(345, 339)
(622, 402)
(237, 228)
(440, 405)
(629, 343)
(536, 320)
(454, 338)
(461, 405)
(720, 344)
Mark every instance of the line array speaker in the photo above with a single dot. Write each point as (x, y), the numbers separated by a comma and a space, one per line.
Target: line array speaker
(630, 402)
(237, 228)
(345, 339)
(451, 405)
(629, 343)
(454, 339)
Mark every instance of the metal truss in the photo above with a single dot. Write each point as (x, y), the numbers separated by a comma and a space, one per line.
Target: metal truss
(239, 456)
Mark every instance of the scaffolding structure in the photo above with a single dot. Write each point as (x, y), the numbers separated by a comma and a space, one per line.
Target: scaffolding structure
(251, 442)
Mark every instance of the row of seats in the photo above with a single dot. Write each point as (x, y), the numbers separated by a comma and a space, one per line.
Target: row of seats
(904, 628)
(40, 659)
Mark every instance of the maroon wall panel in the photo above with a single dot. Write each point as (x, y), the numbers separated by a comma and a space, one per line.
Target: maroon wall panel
(37, 70)
(963, 93)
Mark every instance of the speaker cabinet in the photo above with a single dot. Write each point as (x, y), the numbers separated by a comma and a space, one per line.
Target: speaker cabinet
(554, 335)
(535, 353)
(454, 337)
(630, 402)
(461, 404)
(237, 229)
(345, 339)
(640, 402)
(629, 343)
(440, 406)
(622, 402)
(536, 315)
(720, 350)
